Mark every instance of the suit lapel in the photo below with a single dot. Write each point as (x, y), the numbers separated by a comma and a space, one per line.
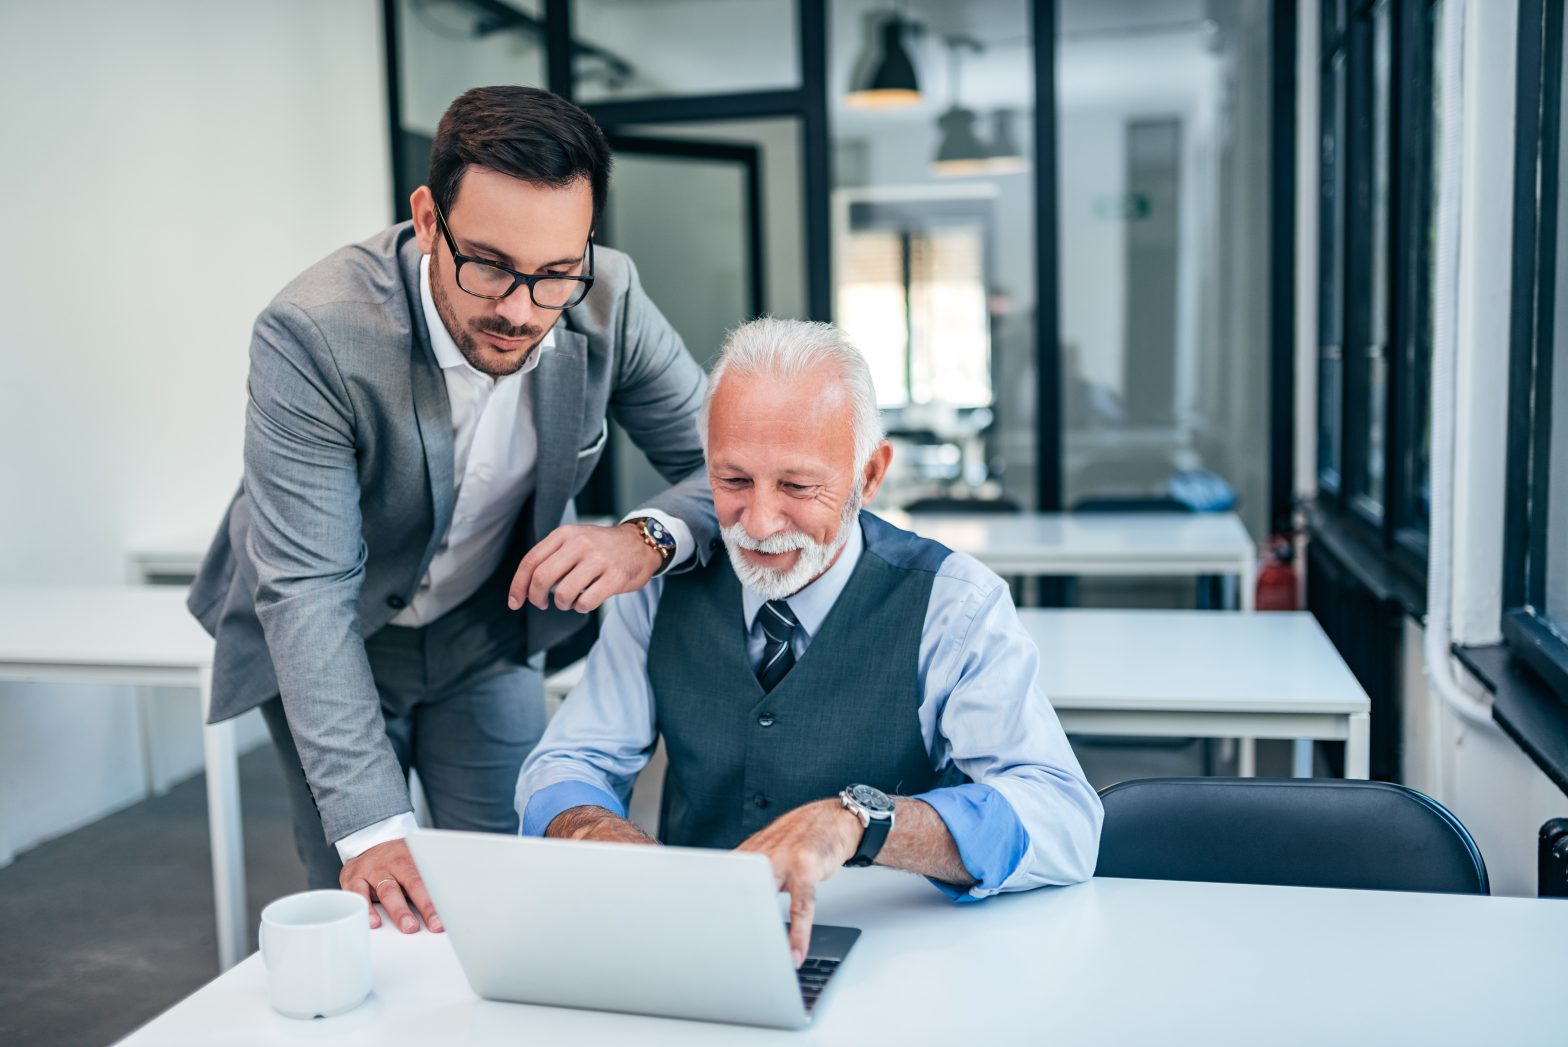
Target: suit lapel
(558, 411)
(432, 408)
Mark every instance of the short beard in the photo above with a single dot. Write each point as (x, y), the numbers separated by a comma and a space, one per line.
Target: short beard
(466, 340)
(814, 558)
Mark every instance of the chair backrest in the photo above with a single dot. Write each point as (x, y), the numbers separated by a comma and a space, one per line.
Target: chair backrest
(1299, 832)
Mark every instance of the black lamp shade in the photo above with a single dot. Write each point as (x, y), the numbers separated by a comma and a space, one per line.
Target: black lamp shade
(892, 80)
(1006, 157)
(960, 150)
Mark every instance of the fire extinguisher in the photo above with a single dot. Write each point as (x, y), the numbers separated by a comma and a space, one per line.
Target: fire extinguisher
(1277, 587)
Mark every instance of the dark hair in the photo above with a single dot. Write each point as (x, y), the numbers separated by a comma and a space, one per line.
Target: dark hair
(524, 132)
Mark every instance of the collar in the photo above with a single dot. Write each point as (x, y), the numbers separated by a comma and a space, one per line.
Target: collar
(812, 604)
(447, 353)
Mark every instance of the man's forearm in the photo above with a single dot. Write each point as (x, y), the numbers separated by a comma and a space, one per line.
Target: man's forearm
(920, 843)
(594, 823)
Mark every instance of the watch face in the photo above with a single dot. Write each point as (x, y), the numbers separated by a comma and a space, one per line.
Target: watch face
(874, 800)
(658, 532)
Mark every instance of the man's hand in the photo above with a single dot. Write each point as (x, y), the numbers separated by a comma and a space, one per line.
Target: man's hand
(586, 565)
(806, 846)
(594, 823)
(386, 873)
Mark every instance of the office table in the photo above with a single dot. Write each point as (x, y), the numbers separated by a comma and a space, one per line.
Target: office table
(1212, 674)
(1123, 544)
(137, 635)
(1103, 544)
(1113, 962)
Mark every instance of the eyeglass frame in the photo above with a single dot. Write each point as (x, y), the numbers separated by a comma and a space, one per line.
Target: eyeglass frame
(459, 260)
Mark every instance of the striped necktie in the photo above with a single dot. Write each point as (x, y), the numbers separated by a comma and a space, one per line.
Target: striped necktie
(778, 656)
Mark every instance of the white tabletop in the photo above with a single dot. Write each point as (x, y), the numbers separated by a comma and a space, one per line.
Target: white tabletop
(1108, 962)
(1218, 661)
(1135, 540)
(120, 625)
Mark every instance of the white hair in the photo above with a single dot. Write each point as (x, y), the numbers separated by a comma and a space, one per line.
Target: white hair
(788, 349)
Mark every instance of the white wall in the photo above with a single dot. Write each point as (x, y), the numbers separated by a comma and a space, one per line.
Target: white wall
(170, 164)
(1478, 771)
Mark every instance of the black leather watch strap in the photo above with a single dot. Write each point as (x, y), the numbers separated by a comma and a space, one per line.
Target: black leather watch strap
(871, 842)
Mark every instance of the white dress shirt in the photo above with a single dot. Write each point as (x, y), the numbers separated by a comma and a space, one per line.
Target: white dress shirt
(495, 449)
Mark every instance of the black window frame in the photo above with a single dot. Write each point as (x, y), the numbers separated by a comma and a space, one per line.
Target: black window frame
(1393, 528)
(1527, 630)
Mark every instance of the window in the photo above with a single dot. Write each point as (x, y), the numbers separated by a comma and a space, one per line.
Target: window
(1535, 583)
(1379, 101)
(937, 252)
(912, 296)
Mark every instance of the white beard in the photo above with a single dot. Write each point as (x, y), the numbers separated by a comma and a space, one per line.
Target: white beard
(814, 558)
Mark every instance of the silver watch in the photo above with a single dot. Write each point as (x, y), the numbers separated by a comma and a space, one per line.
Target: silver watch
(875, 810)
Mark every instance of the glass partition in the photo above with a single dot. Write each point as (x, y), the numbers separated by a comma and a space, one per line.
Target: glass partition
(1163, 146)
(669, 48)
(934, 241)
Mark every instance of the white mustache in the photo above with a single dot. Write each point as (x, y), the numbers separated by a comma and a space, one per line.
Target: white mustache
(783, 542)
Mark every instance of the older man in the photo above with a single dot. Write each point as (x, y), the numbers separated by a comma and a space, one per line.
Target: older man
(829, 662)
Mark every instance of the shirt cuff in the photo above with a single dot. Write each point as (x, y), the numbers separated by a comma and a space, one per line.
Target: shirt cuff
(550, 801)
(685, 545)
(990, 838)
(394, 828)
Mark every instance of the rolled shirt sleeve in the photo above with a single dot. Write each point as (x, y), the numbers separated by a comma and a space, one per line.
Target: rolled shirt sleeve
(605, 731)
(1028, 817)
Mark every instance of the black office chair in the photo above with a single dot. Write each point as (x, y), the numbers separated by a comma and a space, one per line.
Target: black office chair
(1298, 832)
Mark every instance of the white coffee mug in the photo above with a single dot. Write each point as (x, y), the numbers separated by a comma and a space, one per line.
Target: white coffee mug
(316, 946)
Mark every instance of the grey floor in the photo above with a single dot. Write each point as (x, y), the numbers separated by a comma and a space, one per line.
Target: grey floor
(107, 927)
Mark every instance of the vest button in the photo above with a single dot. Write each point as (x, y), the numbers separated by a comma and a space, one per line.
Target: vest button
(396, 603)
(766, 719)
(760, 800)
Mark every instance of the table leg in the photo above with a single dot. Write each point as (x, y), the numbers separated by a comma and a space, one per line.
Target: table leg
(149, 748)
(1247, 586)
(1246, 758)
(223, 826)
(1301, 758)
(1358, 746)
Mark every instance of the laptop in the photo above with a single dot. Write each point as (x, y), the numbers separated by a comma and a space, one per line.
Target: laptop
(675, 932)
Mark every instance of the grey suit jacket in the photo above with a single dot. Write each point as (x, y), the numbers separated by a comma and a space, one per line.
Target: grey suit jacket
(348, 490)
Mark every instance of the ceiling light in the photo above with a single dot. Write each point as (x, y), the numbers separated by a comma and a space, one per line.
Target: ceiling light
(891, 80)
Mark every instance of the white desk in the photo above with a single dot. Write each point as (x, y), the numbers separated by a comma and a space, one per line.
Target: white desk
(1107, 544)
(178, 557)
(1200, 673)
(178, 560)
(1111, 962)
(137, 635)
(1207, 674)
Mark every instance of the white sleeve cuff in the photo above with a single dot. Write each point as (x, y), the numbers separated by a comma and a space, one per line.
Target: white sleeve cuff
(394, 828)
(685, 545)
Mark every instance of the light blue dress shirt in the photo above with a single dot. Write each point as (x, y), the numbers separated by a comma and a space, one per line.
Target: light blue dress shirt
(1027, 818)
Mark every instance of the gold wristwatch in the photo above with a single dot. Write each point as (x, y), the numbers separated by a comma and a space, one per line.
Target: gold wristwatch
(657, 537)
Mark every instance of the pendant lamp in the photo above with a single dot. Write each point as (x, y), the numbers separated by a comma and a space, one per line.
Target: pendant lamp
(890, 80)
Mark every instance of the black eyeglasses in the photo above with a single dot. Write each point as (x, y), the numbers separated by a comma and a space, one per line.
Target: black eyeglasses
(486, 279)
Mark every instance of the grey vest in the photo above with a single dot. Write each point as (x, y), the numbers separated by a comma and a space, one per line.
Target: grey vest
(847, 712)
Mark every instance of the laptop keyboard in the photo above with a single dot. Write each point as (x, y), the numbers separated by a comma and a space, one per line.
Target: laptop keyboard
(813, 976)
